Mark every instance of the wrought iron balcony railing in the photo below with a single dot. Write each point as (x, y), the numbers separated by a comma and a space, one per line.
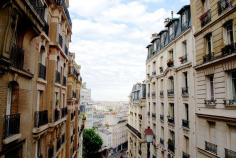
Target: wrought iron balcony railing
(40, 118)
(185, 123)
(39, 8)
(153, 115)
(170, 92)
(185, 155)
(171, 119)
(208, 57)
(185, 91)
(17, 57)
(230, 102)
(211, 147)
(42, 71)
(228, 49)
(12, 125)
(161, 93)
(56, 115)
(205, 18)
(162, 117)
(230, 153)
(171, 145)
(224, 5)
(210, 102)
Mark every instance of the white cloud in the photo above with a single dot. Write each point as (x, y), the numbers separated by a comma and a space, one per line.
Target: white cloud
(109, 39)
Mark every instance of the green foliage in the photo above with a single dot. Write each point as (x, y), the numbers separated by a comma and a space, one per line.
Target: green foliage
(92, 143)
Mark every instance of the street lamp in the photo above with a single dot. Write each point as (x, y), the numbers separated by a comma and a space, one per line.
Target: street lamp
(149, 139)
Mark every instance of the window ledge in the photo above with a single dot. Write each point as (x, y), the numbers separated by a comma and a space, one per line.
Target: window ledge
(11, 138)
(40, 129)
(209, 154)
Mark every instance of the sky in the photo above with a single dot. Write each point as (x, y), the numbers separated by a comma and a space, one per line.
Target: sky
(109, 38)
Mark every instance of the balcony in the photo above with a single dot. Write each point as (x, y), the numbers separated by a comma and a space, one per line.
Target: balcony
(228, 49)
(17, 57)
(230, 102)
(63, 112)
(39, 8)
(205, 18)
(153, 115)
(171, 119)
(42, 71)
(185, 123)
(56, 115)
(208, 57)
(170, 92)
(12, 125)
(64, 80)
(135, 131)
(170, 63)
(161, 69)
(230, 153)
(185, 92)
(185, 155)
(40, 118)
(148, 113)
(171, 145)
(60, 40)
(153, 95)
(183, 59)
(58, 77)
(162, 117)
(162, 141)
(154, 73)
(210, 102)
(161, 93)
(211, 147)
(224, 5)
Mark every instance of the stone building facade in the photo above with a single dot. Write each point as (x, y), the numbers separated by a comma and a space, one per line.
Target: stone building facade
(34, 59)
(214, 25)
(170, 88)
(136, 121)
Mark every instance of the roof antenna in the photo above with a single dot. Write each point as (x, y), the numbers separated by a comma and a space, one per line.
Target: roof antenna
(172, 14)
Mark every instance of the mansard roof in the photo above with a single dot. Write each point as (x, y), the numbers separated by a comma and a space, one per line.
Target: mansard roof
(183, 9)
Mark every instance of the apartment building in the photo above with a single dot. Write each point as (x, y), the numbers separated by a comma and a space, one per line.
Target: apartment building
(170, 88)
(214, 32)
(34, 60)
(74, 125)
(136, 121)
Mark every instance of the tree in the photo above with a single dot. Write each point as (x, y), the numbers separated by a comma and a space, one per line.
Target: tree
(92, 143)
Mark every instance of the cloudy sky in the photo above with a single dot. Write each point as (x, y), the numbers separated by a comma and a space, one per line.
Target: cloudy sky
(109, 39)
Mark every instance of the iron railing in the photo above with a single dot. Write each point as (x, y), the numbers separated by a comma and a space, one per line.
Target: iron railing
(12, 125)
(39, 8)
(224, 5)
(211, 147)
(185, 123)
(171, 145)
(171, 119)
(17, 57)
(40, 118)
(63, 112)
(162, 141)
(205, 18)
(161, 93)
(170, 92)
(208, 57)
(162, 117)
(185, 155)
(185, 91)
(230, 153)
(56, 115)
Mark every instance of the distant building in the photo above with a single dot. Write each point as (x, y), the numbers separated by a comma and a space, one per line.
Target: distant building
(86, 105)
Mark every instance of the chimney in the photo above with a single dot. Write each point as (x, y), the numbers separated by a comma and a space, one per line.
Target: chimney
(172, 14)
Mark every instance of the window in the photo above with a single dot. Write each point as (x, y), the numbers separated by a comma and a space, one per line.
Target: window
(171, 54)
(12, 98)
(186, 144)
(184, 19)
(211, 87)
(232, 85)
(171, 110)
(228, 29)
(39, 100)
(232, 137)
(154, 68)
(171, 81)
(162, 132)
(212, 131)
(185, 74)
(208, 39)
(184, 44)
(186, 112)
(162, 108)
